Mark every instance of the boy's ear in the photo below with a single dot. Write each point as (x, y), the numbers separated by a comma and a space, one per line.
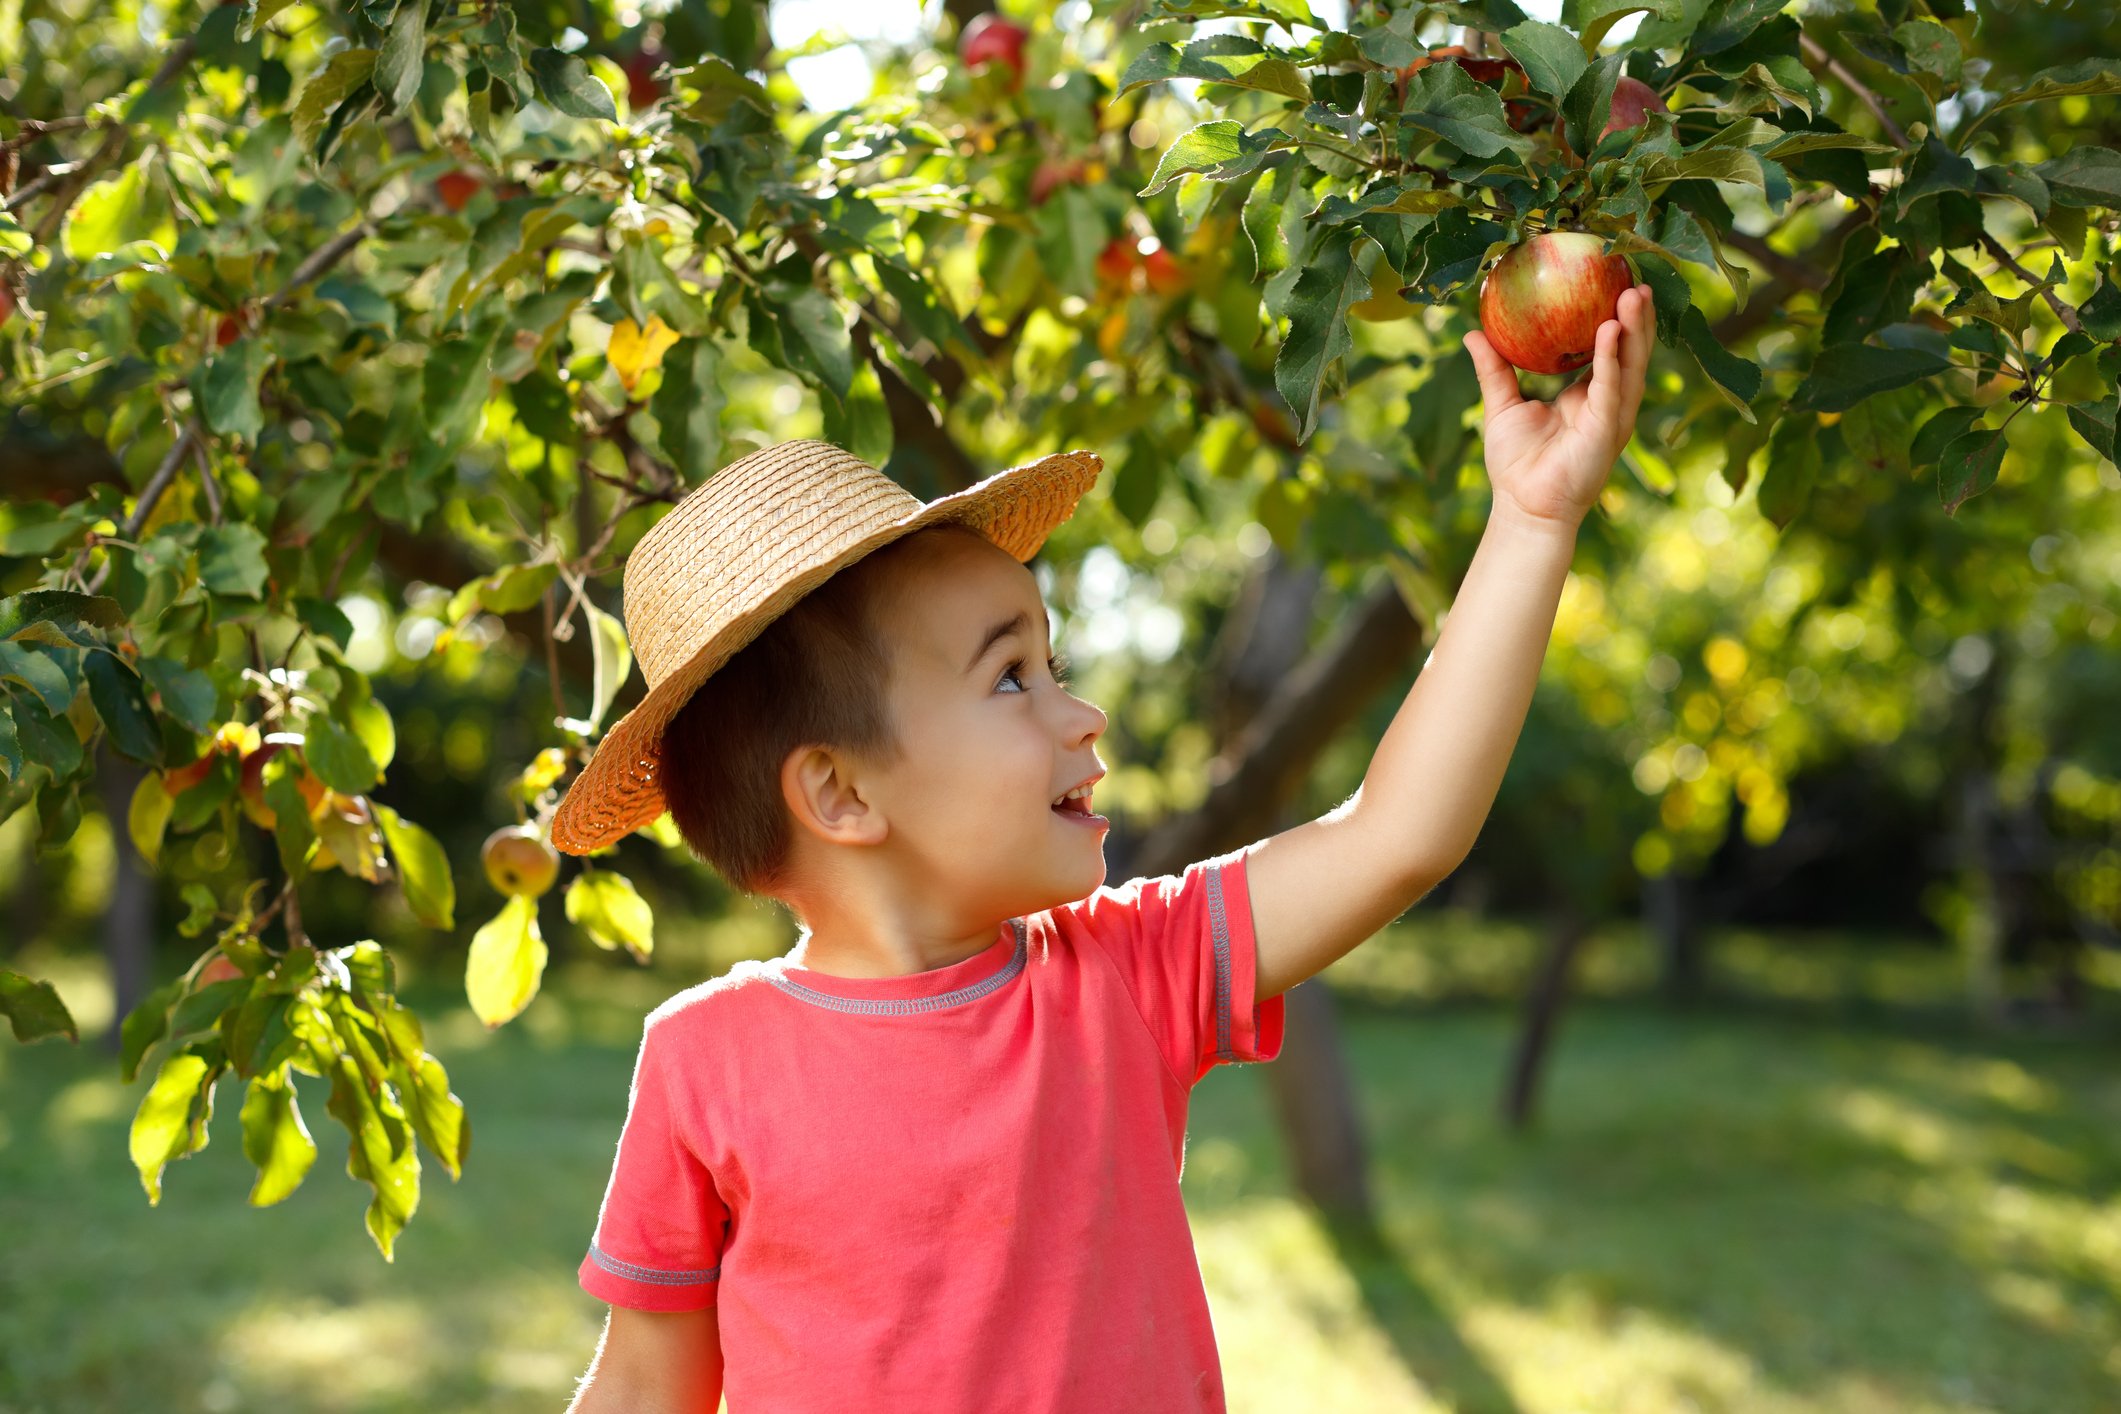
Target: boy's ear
(824, 799)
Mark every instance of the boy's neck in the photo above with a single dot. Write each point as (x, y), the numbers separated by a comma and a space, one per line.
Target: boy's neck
(885, 952)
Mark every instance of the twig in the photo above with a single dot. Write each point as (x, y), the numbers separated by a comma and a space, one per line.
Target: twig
(50, 176)
(317, 262)
(2004, 258)
(206, 471)
(552, 657)
(1815, 53)
(159, 482)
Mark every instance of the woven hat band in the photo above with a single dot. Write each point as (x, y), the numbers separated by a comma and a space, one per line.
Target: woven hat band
(774, 514)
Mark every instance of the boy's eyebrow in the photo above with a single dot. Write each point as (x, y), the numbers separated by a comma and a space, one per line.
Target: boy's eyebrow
(1019, 622)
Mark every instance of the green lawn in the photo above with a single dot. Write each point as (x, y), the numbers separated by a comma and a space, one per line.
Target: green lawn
(1759, 1208)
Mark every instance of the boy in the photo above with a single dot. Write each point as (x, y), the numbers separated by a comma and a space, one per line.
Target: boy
(929, 1160)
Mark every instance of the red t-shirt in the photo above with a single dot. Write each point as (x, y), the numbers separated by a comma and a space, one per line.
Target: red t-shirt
(955, 1190)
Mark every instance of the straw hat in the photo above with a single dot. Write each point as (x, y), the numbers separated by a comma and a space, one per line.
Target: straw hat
(737, 552)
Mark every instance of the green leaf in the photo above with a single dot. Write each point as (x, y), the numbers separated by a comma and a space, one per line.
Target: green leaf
(47, 738)
(325, 91)
(1445, 100)
(1730, 23)
(112, 213)
(508, 590)
(1589, 102)
(254, 15)
(339, 758)
(1221, 58)
(688, 408)
(275, 1139)
(1220, 149)
(147, 818)
(612, 658)
(1931, 49)
(2101, 314)
(1318, 323)
(814, 334)
(380, 1152)
(187, 694)
(39, 673)
(1968, 466)
(565, 82)
(145, 1024)
(40, 614)
(232, 559)
(1286, 13)
(172, 1119)
(605, 905)
(1593, 18)
(437, 1114)
(1845, 374)
(370, 721)
(10, 748)
(1736, 378)
(33, 1008)
(423, 869)
(2094, 422)
(507, 959)
(1792, 468)
(121, 701)
(1552, 58)
(455, 381)
(398, 66)
(228, 389)
(2084, 176)
(1264, 211)
(2086, 76)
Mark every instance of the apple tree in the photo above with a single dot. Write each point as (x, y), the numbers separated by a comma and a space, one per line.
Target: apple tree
(301, 299)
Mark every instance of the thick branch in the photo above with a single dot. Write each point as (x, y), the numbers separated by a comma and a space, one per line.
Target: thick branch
(1255, 774)
(1816, 55)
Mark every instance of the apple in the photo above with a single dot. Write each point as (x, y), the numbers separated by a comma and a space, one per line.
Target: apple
(250, 780)
(7, 304)
(1166, 275)
(1053, 174)
(456, 189)
(1543, 302)
(642, 85)
(1633, 102)
(990, 38)
(219, 969)
(1118, 261)
(1481, 70)
(519, 862)
(232, 326)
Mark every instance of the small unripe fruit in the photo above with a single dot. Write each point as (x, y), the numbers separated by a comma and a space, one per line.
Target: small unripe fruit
(519, 863)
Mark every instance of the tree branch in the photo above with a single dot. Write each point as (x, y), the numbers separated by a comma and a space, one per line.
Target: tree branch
(1816, 55)
(1787, 269)
(2004, 258)
(1766, 302)
(320, 260)
(78, 179)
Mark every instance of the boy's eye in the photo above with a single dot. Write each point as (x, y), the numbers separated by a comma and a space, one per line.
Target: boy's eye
(1058, 665)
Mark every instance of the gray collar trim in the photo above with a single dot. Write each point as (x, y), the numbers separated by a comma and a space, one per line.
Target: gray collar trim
(914, 1006)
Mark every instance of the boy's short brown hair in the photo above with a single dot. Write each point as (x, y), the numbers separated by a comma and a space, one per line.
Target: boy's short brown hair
(817, 675)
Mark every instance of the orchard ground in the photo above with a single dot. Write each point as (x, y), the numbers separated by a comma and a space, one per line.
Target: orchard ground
(1824, 1192)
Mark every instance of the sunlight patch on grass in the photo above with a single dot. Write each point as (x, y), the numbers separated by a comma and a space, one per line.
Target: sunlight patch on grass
(325, 1357)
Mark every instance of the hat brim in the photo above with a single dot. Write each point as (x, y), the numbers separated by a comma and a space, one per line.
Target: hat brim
(619, 791)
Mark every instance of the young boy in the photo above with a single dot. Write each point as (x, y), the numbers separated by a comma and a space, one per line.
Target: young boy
(929, 1160)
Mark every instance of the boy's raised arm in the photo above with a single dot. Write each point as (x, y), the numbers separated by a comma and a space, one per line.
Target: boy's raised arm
(654, 1362)
(1321, 888)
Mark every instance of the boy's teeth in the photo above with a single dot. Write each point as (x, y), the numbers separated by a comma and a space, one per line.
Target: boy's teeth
(1079, 793)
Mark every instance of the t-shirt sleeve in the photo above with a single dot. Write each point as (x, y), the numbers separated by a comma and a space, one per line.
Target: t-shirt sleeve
(1183, 944)
(658, 1239)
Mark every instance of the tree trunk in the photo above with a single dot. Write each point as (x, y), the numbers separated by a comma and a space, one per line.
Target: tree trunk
(1314, 1101)
(1542, 1013)
(129, 920)
(1673, 920)
(1275, 708)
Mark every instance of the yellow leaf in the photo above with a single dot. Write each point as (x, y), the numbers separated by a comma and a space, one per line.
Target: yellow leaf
(634, 350)
(507, 960)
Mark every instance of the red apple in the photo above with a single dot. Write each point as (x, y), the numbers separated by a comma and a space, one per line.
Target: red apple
(231, 328)
(1167, 276)
(456, 189)
(1053, 174)
(1543, 302)
(990, 38)
(642, 85)
(1118, 261)
(1633, 100)
(7, 304)
(219, 969)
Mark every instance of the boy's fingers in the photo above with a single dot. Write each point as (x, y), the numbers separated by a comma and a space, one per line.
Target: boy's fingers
(1604, 401)
(1498, 380)
(1641, 335)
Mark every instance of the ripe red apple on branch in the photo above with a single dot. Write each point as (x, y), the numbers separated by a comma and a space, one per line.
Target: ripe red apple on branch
(456, 189)
(992, 39)
(1543, 302)
(1633, 102)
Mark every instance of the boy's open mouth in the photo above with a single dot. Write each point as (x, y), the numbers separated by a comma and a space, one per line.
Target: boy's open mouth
(1076, 805)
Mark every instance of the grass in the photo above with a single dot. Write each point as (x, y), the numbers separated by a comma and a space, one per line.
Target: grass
(1761, 1207)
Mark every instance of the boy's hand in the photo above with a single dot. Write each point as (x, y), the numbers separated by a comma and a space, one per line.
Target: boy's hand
(1550, 460)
